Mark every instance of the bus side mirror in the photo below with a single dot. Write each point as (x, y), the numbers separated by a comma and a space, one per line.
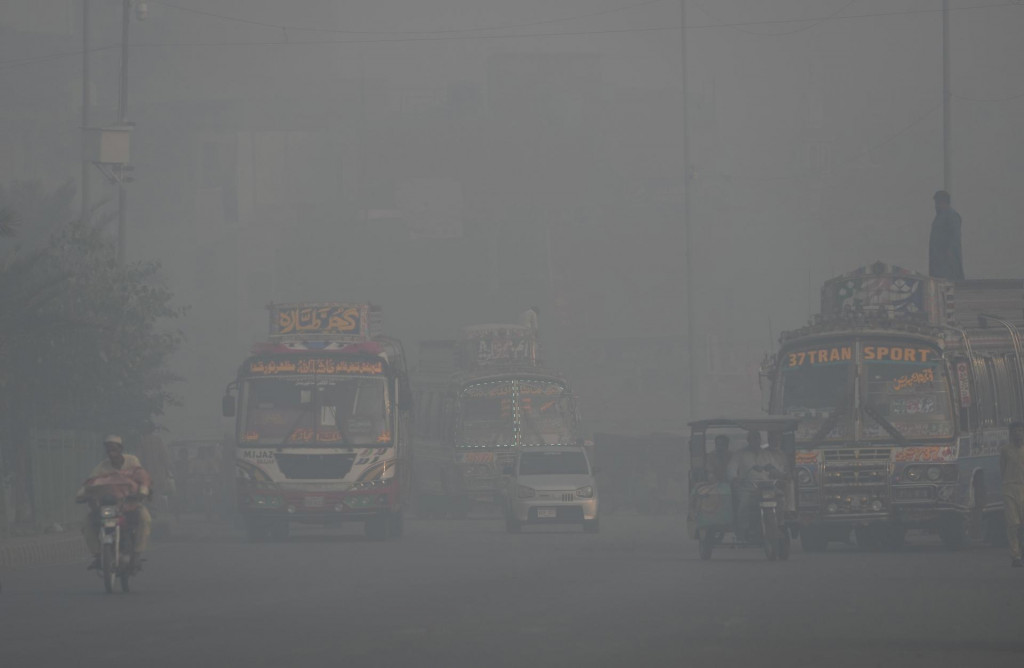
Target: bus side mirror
(227, 406)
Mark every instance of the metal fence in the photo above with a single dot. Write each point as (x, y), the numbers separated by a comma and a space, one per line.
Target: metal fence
(61, 461)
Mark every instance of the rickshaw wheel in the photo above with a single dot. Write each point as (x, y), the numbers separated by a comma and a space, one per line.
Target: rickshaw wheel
(784, 546)
(706, 543)
(771, 549)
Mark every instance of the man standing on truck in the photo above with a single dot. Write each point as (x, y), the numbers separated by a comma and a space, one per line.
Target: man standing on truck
(1011, 468)
(945, 258)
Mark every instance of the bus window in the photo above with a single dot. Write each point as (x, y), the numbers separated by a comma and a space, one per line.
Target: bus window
(1005, 395)
(964, 394)
(986, 396)
(1013, 370)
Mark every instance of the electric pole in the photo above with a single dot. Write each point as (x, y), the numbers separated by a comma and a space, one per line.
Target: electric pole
(86, 162)
(947, 132)
(691, 344)
(122, 120)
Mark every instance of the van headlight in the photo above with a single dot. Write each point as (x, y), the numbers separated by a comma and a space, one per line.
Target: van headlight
(585, 492)
(524, 492)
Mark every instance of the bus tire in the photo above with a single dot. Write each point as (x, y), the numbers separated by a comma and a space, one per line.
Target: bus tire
(813, 540)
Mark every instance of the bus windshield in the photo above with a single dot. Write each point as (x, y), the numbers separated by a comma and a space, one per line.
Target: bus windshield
(340, 410)
(817, 387)
(905, 390)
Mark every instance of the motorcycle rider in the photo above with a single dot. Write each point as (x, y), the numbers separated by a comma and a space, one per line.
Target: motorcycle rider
(118, 461)
(756, 463)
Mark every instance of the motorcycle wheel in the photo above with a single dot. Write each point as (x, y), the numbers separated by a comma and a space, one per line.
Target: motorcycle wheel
(784, 546)
(108, 558)
(706, 543)
(769, 532)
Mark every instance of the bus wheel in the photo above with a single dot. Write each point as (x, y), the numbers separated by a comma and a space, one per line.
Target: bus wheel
(813, 540)
(953, 532)
(256, 529)
(995, 530)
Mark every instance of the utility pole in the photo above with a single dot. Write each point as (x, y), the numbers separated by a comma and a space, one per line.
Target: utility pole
(691, 345)
(122, 120)
(947, 139)
(86, 162)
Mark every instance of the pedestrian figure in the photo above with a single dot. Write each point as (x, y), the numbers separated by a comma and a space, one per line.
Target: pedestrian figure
(1011, 468)
(945, 259)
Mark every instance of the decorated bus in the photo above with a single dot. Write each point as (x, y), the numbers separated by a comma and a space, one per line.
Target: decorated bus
(481, 397)
(321, 423)
(904, 385)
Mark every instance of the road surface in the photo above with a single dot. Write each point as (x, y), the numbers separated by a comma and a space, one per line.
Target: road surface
(464, 593)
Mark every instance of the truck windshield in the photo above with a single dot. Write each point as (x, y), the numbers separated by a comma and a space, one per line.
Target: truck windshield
(546, 412)
(297, 410)
(553, 463)
(486, 414)
(816, 384)
(497, 413)
(905, 390)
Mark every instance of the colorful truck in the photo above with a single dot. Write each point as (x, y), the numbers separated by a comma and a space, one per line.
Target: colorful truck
(321, 414)
(481, 397)
(904, 386)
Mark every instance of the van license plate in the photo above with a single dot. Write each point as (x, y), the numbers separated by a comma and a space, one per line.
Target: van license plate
(314, 501)
(547, 513)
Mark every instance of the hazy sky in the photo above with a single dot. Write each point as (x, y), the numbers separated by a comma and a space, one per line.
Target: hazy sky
(263, 145)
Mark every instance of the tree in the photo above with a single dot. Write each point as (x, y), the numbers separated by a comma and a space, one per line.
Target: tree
(84, 342)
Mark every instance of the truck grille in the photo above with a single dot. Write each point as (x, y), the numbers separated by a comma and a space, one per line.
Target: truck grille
(857, 454)
(856, 476)
(315, 467)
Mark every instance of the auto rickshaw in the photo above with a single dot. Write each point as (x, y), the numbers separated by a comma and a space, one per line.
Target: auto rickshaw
(714, 496)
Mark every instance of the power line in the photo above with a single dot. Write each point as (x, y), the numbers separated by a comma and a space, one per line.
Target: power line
(815, 21)
(989, 99)
(448, 37)
(54, 56)
(277, 26)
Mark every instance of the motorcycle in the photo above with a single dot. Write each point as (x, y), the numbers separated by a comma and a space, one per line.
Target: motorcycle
(114, 501)
(118, 560)
(771, 507)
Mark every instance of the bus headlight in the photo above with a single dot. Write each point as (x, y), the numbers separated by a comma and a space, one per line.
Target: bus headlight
(912, 473)
(804, 477)
(934, 473)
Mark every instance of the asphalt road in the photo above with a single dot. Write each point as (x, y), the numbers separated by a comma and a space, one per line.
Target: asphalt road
(464, 593)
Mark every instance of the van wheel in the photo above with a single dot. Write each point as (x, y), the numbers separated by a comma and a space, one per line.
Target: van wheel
(512, 525)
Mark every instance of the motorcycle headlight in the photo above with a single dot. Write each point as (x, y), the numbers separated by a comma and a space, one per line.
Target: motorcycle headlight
(804, 477)
(524, 492)
(934, 473)
(585, 492)
(107, 512)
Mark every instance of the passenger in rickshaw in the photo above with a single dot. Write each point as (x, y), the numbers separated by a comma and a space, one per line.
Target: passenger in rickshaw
(718, 460)
(755, 464)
